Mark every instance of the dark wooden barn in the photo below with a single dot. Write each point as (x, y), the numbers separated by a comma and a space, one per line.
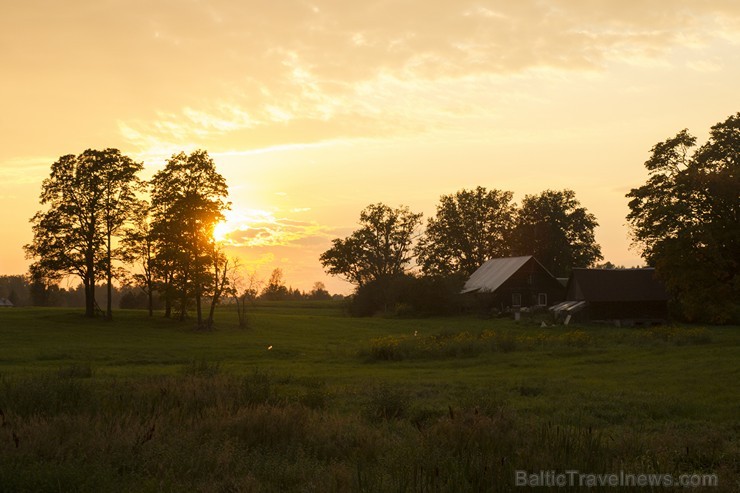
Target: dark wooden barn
(619, 294)
(513, 283)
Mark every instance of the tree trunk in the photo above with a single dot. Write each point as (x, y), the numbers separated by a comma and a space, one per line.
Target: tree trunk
(89, 282)
(150, 298)
(198, 308)
(109, 269)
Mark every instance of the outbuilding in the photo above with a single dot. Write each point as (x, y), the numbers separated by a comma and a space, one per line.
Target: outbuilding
(630, 295)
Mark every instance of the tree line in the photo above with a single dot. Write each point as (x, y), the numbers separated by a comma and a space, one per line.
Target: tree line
(21, 292)
(470, 227)
(684, 220)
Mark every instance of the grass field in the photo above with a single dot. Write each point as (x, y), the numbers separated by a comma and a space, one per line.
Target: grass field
(308, 399)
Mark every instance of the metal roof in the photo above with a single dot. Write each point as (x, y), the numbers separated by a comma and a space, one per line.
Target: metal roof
(492, 274)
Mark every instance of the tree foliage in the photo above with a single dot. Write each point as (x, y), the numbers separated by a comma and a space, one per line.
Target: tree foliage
(554, 228)
(379, 249)
(470, 227)
(686, 220)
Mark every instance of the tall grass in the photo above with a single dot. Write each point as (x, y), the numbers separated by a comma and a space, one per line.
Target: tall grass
(220, 432)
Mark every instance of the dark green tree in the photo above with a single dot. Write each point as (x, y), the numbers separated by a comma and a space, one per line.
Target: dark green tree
(686, 220)
(89, 199)
(380, 249)
(554, 228)
(188, 200)
(470, 227)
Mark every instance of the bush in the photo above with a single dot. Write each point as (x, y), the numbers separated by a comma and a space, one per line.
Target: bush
(407, 296)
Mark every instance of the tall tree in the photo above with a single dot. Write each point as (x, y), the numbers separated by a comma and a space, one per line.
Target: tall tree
(380, 249)
(119, 205)
(686, 219)
(554, 228)
(73, 236)
(470, 227)
(188, 200)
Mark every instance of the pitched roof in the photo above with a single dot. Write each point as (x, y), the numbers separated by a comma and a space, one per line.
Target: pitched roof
(616, 285)
(492, 274)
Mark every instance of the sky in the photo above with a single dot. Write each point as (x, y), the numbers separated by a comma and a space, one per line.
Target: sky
(314, 109)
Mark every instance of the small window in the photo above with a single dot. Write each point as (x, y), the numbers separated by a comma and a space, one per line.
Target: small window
(542, 299)
(516, 299)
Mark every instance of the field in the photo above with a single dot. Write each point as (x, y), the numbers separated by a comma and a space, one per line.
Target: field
(308, 399)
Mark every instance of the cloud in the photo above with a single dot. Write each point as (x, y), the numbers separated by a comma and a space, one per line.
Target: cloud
(258, 228)
(309, 71)
(231, 75)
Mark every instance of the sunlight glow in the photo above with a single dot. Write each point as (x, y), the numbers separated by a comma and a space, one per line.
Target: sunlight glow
(220, 231)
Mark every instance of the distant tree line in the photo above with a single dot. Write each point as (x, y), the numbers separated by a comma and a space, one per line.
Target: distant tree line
(469, 227)
(21, 292)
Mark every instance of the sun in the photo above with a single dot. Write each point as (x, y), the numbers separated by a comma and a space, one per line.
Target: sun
(220, 231)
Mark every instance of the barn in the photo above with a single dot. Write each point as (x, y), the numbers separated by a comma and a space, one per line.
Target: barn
(631, 295)
(513, 283)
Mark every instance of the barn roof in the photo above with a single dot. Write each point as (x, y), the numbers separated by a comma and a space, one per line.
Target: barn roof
(616, 285)
(492, 274)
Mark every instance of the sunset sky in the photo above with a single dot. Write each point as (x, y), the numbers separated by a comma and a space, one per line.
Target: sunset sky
(314, 109)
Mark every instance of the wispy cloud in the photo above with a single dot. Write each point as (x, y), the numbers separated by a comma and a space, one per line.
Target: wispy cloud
(327, 70)
(259, 228)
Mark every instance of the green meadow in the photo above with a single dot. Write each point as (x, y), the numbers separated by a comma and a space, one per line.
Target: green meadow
(309, 399)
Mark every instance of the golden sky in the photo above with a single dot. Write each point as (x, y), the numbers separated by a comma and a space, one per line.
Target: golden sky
(314, 109)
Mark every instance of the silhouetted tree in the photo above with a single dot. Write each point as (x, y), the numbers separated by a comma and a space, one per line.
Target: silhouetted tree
(554, 228)
(220, 278)
(188, 200)
(319, 292)
(119, 206)
(244, 290)
(686, 219)
(275, 289)
(470, 227)
(380, 249)
(87, 197)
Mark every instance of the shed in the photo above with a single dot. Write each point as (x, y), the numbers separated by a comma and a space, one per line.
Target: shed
(515, 282)
(619, 294)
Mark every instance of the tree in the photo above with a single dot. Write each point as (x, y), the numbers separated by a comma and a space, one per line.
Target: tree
(87, 197)
(380, 249)
(244, 289)
(470, 227)
(119, 205)
(686, 220)
(554, 228)
(319, 292)
(188, 200)
(219, 284)
(275, 290)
